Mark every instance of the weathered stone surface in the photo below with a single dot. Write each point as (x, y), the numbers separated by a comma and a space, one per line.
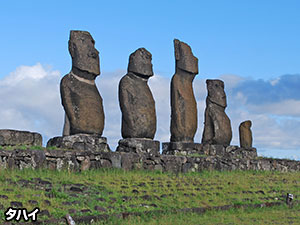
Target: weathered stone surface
(233, 158)
(135, 97)
(16, 137)
(229, 151)
(85, 142)
(181, 148)
(80, 97)
(183, 102)
(245, 134)
(217, 127)
(138, 145)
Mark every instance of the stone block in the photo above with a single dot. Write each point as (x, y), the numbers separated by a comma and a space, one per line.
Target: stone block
(138, 145)
(16, 137)
(80, 142)
(181, 148)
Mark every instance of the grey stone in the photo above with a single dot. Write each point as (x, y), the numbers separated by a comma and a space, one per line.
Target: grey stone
(135, 97)
(181, 148)
(183, 102)
(80, 97)
(229, 151)
(83, 142)
(16, 137)
(217, 127)
(85, 164)
(138, 145)
(140, 63)
(116, 160)
(245, 134)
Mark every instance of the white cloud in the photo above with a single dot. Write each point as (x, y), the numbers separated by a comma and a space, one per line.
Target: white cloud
(289, 107)
(29, 99)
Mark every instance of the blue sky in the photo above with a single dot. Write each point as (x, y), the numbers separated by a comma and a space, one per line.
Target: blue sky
(254, 46)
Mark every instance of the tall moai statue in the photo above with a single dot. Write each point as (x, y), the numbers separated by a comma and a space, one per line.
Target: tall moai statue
(245, 134)
(183, 103)
(217, 127)
(81, 100)
(80, 97)
(138, 106)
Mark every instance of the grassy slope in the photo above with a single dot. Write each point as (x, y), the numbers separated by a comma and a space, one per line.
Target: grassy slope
(137, 191)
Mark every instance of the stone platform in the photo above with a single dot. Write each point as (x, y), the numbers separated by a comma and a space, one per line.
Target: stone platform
(83, 160)
(230, 151)
(85, 142)
(17, 137)
(139, 145)
(181, 148)
(190, 149)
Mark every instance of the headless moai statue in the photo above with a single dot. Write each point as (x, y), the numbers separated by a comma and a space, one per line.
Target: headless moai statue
(138, 106)
(183, 102)
(135, 97)
(217, 127)
(80, 97)
(245, 134)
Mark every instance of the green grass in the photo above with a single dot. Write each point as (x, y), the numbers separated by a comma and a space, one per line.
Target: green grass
(274, 215)
(137, 191)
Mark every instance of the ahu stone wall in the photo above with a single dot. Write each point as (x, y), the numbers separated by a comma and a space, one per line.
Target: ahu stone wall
(84, 160)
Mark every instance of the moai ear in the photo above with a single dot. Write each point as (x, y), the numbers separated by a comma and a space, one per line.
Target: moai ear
(176, 48)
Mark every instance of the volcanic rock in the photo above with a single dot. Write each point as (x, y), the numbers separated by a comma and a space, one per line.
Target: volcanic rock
(135, 97)
(16, 137)
(217, 127)
(183, 102)
(245, 134)
(80, 97)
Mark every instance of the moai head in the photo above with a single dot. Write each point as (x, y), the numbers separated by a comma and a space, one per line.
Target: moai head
(84, 55)
(185, 59)
(216, 93)
(247, 124)
(140, 63)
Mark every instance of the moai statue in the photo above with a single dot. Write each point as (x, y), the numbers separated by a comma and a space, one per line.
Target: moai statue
(183, 103)
(137, 105)
(245, 134)
(217, 127)
(80, 97)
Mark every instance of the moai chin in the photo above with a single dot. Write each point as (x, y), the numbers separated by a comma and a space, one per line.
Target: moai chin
(245, 134)
(217, 127)
(183, 102)
(138, 106)
(135, 97)
(80, 97)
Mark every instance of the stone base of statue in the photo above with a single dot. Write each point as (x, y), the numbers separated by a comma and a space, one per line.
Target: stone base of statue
(230, 151)
(181, 148)
(82, 142)
(139, 145)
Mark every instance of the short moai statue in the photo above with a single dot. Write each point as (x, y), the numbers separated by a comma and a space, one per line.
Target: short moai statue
(81, 100)
(138, 106)
(217, 127)
(183, 103)
(245, 134)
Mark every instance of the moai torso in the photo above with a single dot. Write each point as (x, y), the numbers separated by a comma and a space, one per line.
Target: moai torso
(245, 134)
(135, 98)
(183, 102)
(80, 97)
(217, 127)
